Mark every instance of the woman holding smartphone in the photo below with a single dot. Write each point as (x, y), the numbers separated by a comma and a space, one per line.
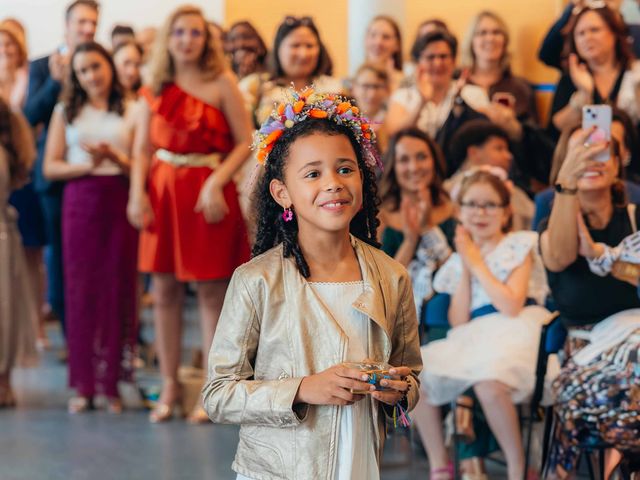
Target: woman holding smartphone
(485, 63)
(485, 60)
(600, 310)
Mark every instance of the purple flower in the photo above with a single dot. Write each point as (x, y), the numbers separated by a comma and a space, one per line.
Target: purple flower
(289, 113)
(271, 127)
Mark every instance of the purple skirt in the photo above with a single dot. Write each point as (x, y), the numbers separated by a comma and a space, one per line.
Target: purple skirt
(99, 249)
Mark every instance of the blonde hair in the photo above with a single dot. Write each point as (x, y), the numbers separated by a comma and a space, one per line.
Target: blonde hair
(13, 28)
(467, 57)
(161, 68)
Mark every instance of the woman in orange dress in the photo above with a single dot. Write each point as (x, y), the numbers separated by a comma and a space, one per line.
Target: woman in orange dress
(184, 199)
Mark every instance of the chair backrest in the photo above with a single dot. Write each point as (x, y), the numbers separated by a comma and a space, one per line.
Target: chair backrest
(541, 362)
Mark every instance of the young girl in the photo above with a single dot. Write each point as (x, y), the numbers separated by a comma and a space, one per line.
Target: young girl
(317, 293)
(18, 314)
(493, 343)
(91, 140)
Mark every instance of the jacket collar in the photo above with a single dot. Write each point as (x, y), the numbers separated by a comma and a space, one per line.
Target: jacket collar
(372, 300)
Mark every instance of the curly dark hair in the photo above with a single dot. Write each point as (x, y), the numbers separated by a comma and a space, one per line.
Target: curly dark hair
(273, 230)
(390, 189)
(75, 97)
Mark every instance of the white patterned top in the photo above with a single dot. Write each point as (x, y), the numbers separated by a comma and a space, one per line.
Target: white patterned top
(509, 254)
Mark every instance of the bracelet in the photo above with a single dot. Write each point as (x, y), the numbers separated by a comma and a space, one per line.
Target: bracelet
(399, 413)
(559, 188)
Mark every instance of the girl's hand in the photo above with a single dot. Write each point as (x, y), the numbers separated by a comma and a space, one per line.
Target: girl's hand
(398, 386)
(587, 247)
(333, 387)
(211, 202)
(469, 252)
(580, 154)
(580, 75)
(139, 211)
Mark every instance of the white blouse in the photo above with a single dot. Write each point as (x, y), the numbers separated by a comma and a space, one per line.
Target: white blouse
(92, 126)
(432, 116)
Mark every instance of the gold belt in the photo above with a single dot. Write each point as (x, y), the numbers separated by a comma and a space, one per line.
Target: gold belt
(211, 160)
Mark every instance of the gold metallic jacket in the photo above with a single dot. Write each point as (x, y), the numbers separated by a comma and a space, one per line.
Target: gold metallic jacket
(273, 331)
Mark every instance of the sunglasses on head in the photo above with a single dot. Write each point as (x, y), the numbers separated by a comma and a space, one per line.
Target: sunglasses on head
(589, 5)
(292, 21)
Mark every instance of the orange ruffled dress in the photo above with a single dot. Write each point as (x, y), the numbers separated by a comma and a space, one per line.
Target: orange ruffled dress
(180, 241)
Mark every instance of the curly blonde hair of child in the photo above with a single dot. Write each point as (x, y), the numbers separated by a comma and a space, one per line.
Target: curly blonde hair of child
(161, 67)
(17, 143)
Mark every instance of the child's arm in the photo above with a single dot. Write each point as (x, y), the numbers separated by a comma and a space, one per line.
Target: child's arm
(460, 306)
(508, 297)
(230, 395)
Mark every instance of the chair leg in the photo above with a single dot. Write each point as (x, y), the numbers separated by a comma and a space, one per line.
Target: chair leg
(601, 455)
(588, 458)
(549, 422)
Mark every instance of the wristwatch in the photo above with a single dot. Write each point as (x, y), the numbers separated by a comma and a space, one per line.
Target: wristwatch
(564, 190)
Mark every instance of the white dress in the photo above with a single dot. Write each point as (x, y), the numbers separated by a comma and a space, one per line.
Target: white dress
(493, 346)
(357, 459)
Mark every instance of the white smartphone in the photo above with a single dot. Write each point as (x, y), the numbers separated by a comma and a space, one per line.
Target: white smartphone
(600, 117)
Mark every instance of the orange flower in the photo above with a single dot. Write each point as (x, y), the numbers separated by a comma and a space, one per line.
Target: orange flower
(315, 113)
(306, 93)
(355, 110)
(262, 155)
(364, 126)
(298, 106)
(273, 136)
(281, 108)
(367, 135)
(343, 107)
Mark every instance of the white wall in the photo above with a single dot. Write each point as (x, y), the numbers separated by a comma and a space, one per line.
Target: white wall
(44, 19)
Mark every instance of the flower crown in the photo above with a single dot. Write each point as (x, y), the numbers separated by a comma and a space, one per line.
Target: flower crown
(307, 104)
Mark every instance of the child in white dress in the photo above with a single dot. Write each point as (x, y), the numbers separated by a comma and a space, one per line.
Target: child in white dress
(496, 280)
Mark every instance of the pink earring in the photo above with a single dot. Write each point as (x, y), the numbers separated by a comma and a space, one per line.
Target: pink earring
(287, 215)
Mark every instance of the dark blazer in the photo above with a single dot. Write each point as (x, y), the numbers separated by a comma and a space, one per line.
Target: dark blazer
(42, 97)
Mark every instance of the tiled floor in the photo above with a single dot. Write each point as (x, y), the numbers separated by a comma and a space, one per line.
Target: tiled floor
(39, 440)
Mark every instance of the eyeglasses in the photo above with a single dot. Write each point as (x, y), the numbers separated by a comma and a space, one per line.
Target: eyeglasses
(488, 207)
(486, 33)
(193, 33)
(443, 57)
(371, 86)
(292, 21)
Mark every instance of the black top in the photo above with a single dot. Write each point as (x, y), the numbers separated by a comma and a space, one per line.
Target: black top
(392, 238)
(566, 88)
(584, 298)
